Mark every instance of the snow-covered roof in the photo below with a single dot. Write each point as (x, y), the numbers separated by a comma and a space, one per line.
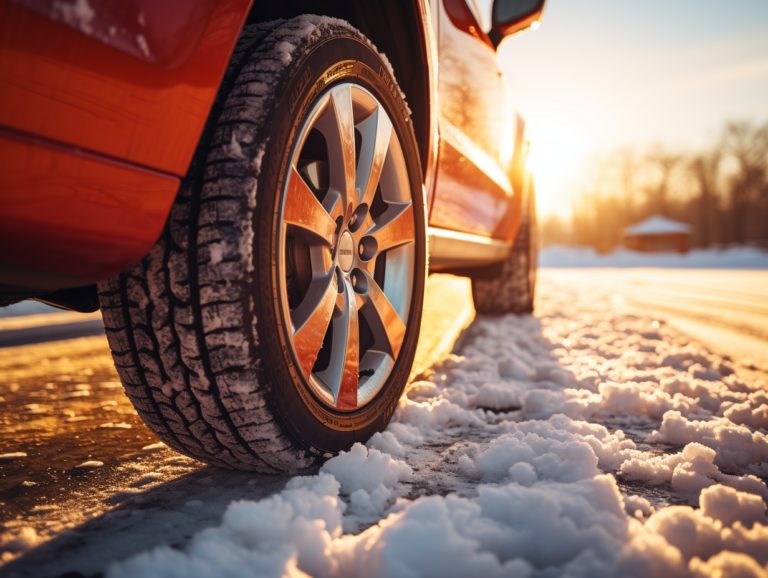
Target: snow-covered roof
(658, 225)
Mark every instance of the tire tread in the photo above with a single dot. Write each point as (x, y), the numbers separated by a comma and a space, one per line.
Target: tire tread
(511, 290)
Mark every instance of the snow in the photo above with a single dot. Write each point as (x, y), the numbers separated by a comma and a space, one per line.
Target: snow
(736, 446)
(141, 42)
(12, 456)
(17, 541)
(79, 14)
(753, 412)
(727, 565)
(89, 465)
(586, 442)
(546, 457)
(723, 258)
(369, 476)
(387, 443)
(730, 506)
(658, 225)
(509, 530)
(258, 538)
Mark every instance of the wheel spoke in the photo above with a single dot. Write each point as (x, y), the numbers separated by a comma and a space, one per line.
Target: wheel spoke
(342, 373)
(396, 230)
(388, 329)
(304, 215)
(376, 131)
(310, 319)
(332, 203)
(338, 127)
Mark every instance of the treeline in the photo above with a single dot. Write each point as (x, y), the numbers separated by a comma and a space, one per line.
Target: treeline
(721, 191)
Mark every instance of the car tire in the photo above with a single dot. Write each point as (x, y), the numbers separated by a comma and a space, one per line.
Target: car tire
(212, 332)
(511, 286)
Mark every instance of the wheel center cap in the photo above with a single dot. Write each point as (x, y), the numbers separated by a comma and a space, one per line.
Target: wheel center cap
(346, 251)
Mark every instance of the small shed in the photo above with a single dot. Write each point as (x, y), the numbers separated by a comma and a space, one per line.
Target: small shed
(658, 233)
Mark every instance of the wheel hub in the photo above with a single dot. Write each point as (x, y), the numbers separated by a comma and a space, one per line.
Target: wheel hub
(346, 251)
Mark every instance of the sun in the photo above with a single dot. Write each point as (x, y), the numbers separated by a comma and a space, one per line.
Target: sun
(556, 155)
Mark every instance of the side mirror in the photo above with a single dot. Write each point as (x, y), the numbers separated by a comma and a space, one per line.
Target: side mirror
(510, 16)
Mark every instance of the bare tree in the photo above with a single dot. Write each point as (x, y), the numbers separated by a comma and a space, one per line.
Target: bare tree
(723, 191)
(665, 163)
(628, 169)
(748, 146)
(705, 168)
(553, 230)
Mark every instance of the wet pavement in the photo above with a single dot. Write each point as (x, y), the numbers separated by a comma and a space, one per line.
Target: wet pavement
(65, 407)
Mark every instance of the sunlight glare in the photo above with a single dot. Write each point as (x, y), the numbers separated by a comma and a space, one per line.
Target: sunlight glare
(554, 159)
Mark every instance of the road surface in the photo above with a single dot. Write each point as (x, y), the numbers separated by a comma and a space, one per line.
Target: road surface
(725, 310)
(93, 486)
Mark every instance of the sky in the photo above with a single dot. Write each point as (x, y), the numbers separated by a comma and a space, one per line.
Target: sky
(602, 74)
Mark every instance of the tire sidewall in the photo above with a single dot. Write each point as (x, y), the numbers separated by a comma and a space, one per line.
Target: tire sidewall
(321, 430)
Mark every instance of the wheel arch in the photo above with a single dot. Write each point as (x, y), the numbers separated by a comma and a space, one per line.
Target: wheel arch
(400, 29)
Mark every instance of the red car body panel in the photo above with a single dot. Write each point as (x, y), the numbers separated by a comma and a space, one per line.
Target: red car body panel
(428, 42)
(114, 129)
(473, 193)
(75, 213)
(63, 85)
(100, 115)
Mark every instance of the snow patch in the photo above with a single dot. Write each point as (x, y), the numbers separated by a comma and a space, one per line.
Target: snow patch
(12, 456)
(16, 541)
(735, 446)
(716, 258)
(369, 477)
(78, 15)
(89, 465)
(578, 528)
(386, 442)
(266, 538)
(364, 469)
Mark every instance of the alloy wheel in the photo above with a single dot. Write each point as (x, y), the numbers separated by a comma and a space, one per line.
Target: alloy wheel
(346, 248)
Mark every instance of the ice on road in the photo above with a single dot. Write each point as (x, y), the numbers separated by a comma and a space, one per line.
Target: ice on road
(587, 440)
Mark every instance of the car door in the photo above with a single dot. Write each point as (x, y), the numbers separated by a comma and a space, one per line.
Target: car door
(102, 104)
(133, 81)
(473, 189)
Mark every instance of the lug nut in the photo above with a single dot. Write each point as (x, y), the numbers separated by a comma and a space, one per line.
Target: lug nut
(368, 248)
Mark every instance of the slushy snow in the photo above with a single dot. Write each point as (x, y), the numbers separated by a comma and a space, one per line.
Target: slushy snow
(584, 442)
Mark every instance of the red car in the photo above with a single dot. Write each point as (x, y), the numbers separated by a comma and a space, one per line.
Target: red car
(254, 197)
